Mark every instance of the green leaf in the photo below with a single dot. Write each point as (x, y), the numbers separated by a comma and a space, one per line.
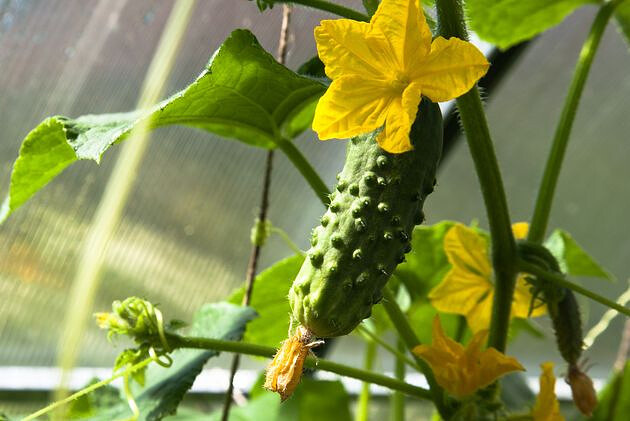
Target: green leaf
(269, 299)
(572, 258)
(244, 94)
(421, 316)
(314, 67)
(88, 405)
(370, 6)
(165, 387)
(622, 13)
(426, 264)
(508, 22)
(614, 401)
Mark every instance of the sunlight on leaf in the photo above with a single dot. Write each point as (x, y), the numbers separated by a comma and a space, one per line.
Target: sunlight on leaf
(508, 22)
(244, 94)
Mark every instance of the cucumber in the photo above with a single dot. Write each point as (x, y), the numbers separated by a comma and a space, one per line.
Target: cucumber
(367, 228)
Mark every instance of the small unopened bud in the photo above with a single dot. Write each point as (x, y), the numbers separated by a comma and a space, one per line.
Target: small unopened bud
(582, 390)
(285, 370)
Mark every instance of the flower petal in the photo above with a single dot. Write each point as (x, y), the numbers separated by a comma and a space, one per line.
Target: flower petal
(520, 230)
(395, 136)
(351, 106)
(459, 291)
(403, 24)
(493, 364)
(451, 69)
(348, 47)
(547, 407)
(467, 249)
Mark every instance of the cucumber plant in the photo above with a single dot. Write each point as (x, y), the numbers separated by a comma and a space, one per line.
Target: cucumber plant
(366, 231)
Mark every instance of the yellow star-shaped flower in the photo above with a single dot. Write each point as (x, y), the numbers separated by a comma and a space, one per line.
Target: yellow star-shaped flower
(468, 287)
(380, 69)
(546, 407)
(462, 371)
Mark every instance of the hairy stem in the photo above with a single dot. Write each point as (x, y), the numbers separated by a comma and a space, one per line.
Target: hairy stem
(408, 336)
(363, 407)
(177, 341)
(560, 281)
(327, 6)
(451, 24)
(553, 166)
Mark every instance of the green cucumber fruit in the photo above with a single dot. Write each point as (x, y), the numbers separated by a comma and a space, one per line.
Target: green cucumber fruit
(367, 228)
(567, 325)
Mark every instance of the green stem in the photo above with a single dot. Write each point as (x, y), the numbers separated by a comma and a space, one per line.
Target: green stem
(398, 354)
(451, 24)
(330, 7)
(559, 280)
(88, 389)
(363, 407)
(549, 181)
(398, 399)
(285, 237)
(306, 169)
(177, 341)
(408, 336)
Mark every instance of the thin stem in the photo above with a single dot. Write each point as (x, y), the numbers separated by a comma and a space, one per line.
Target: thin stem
(177, 341)
(398, 354)
(306, 169)
(451, 24)
(397, 401)
(460, 330)
(408, 336)
(88, 389)
(252, 266)
(363, 407)
(330, 7)
(553, 166)
(285, 237)
(559, 280)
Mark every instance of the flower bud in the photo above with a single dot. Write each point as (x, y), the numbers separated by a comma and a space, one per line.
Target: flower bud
(582, 390)
(285, 371)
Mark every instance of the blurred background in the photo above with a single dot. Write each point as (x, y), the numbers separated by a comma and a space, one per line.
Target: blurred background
(184, 237)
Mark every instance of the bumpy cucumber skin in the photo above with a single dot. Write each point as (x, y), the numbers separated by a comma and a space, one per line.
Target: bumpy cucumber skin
(567, 325)
(367, 229)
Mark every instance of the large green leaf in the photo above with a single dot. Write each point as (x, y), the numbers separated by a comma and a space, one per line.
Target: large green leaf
(622, 13)
(614, 401)
(269, 299)
(426, 264)
(572, 258)
(508, 22)
(165, 387)
(243, 94)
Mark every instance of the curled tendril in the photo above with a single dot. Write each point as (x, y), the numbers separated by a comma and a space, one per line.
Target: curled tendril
(144, 323)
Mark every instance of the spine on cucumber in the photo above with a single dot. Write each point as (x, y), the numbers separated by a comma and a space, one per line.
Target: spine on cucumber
(366, 231)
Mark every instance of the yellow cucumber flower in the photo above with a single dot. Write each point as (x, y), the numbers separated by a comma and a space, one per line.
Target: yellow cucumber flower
(462, 371)
(380, 69)
(468, 287)
(546, 407)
